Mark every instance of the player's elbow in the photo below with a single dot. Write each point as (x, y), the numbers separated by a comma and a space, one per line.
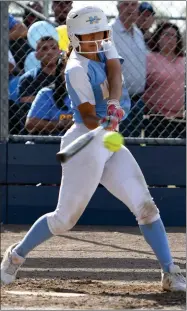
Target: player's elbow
(88, 115)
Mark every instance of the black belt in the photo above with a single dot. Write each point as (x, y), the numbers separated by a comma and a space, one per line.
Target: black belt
(136, 97)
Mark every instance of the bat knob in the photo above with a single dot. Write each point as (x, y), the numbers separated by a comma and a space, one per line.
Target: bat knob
(61, 157)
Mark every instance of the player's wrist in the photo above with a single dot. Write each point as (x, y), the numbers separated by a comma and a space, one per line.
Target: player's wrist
(113, 102)
(110, 121)
(114, 109)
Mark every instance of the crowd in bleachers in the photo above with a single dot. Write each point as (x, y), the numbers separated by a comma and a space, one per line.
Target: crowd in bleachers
(153, 72)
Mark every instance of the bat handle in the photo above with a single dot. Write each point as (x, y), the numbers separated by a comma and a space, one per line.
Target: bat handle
(100, 128)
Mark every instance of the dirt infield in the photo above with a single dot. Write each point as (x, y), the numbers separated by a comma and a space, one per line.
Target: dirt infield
(92, 268)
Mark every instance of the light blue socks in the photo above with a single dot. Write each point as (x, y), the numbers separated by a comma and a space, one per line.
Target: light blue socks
(155, 236)
(37, 234)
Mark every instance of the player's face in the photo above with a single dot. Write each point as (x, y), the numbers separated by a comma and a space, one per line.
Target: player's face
(91, 46)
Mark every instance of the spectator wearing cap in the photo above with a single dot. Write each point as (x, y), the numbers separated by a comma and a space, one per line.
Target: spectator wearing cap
(50, 112)
(130, 44)
(145, 21)
(36, 31)
(47, 52)
(28, 17)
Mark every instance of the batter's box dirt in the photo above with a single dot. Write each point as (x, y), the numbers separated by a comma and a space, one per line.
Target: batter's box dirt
(90, 295)
(92, 268)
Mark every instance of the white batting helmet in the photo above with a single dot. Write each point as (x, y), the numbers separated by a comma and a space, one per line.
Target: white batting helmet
(84, 21)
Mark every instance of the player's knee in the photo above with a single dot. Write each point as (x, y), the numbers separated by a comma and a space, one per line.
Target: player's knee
(58, 224)
(147, 213)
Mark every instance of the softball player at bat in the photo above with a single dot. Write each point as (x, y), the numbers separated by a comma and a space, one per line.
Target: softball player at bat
(90, 38)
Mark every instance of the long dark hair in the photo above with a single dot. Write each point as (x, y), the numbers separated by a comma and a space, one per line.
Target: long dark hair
(68, 53)
(179, 51)
(59, 86)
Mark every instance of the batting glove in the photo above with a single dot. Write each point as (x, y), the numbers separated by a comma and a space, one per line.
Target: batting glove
(112, 122)
(114, 109)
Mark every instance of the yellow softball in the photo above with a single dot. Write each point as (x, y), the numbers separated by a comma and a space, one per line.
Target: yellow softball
(113, 141)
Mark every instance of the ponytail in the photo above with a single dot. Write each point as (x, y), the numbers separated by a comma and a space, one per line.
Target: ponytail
(59, 88)
(70, 49)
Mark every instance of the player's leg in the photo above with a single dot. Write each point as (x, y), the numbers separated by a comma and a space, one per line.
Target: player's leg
(80, 179)
(123, 178)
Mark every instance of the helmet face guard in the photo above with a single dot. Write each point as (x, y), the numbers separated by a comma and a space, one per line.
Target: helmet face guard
(84, 21)
(100, 44)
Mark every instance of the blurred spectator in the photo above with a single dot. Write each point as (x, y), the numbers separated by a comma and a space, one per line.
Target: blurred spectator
(165, 91)
(14, 126)
(50, 112)
(28, 17)
(130, 44)
(37, 31)
(47, 52)
(61, 10)
(16, 29)
(184, 39)
(13, 77)
(11, 62)
(18, 41)
(145, 21)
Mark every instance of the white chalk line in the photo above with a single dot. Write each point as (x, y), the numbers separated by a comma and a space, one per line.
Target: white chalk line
(44, 294)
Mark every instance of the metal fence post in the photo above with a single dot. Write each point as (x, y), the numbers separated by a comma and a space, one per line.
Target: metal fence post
(46, 8)
(4, 43)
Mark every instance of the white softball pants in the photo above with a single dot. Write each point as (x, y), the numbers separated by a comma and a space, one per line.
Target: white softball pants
(118, 172)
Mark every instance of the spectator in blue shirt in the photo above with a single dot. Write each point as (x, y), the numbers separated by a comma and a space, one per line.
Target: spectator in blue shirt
(17, 31)
(33, 81)
(50, 112)
(47, 52)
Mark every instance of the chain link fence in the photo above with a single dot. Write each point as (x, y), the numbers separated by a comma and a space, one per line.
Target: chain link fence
(154, 68)
(4, 131)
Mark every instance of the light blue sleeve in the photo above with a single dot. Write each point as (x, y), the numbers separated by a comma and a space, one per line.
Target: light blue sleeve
(78, 86)
(42, 105)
